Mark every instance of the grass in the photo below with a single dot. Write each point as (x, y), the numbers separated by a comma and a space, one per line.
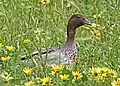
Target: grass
(45, 26)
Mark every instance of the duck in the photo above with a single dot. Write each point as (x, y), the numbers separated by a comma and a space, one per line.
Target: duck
(67, 52)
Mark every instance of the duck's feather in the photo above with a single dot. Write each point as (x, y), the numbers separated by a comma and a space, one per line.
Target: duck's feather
(36, 52)
(51, 56)
(63, 55)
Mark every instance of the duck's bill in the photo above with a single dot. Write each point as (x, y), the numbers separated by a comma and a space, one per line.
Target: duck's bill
(87, 22)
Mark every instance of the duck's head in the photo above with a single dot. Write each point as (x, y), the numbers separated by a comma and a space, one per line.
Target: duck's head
(77, 20)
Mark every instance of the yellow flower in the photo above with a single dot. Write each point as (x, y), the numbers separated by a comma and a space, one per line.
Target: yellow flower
(96, 34)
(103, 70)
(96, 74)
(10, 48)
(95, 25)
(28, 71)
(26, 41)
(5, 76)
(5, 59)
(45, 1)
(94, 16)
(94, 71)
(101, 73)
(77, 75)
(98, 16)
(111, 73)
(29, 83)
(99, 78)
(57, 68)
(64, 77)
(116, 83)
(45, 80)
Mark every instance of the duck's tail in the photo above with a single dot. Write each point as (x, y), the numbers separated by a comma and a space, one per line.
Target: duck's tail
(36, 52)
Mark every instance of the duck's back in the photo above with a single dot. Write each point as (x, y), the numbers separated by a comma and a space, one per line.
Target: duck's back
(63, 55)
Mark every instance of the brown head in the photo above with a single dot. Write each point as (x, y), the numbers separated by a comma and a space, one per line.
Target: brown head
(75, 21)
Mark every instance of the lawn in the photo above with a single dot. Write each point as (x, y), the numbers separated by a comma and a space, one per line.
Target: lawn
(27, 25)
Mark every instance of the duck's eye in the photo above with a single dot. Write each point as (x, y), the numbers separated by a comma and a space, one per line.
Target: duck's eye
(78, 16)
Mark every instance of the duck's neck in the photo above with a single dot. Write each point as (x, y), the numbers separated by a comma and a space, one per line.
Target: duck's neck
(70, 33)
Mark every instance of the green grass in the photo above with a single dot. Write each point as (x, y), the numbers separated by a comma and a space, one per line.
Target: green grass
(45, 25)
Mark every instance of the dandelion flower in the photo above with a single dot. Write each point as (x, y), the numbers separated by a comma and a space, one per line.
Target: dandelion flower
(5, 59)
(29, 83)
(45, 1)
(45, 80)
(98, 16)
(10, 48)
(5, 76)
(57, 68)
(94, 16)
(95, 25)
(102, 73)
(77, 75)
(103, 70)
(28, 71)
(111, 73)
(94, 71)
(96, 74)
(64, 77)
(95, 34)
(26, 41)
(99, 78)
(116, 82)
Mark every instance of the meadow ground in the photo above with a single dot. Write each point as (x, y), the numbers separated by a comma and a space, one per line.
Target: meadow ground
(26, 25)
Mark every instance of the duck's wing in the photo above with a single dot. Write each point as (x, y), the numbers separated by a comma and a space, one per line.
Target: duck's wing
(51, 56)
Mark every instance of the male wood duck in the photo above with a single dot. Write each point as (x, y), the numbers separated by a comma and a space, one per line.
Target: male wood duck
(66, 53)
